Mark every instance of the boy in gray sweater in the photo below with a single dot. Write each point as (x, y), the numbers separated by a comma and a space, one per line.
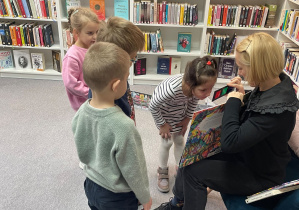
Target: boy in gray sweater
(107, 140)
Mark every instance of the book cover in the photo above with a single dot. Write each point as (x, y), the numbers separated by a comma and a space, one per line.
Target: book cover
(175, 65)
(279, 189)
(71, 4)
(22, 59)
(227, 68)
(163, 65)
(6, 59)
(98, 6)
(204, 135)
(184, 42)
(121, 8)
(38, 61)
(56, 60)
(141, 100)
(140, 67)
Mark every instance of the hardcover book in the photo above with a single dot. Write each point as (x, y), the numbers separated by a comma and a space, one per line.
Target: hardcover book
(227, 68)
(121, 8)
(22, 59)
(140, 66)
(38, 61)
(184, 42)
(163, 65)
(6, 59)
(204, 135)
(98, 6)
(285, 187)
(175, 65)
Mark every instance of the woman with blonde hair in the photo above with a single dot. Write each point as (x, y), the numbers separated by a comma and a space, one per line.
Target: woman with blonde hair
(255, 131)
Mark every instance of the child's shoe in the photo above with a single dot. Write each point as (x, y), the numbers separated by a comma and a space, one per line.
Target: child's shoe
(163, 180)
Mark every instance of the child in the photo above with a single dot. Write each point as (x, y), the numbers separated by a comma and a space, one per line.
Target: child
(84, 25)
(173, 103)
(106, 139)
(129, 37)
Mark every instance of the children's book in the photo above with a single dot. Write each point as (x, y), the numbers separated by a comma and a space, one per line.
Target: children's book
(121, 8)
(285, 187)
(163, 65)
(98, 6)
(184, 42)
(140, 67)
(204, 135)
(22, 59)
(6, 60)
(175, 65)
(38, 61)
(141, 100)
(56, 61)
(72, 4)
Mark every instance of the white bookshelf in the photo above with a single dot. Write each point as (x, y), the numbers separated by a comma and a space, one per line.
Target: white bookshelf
(169, 34)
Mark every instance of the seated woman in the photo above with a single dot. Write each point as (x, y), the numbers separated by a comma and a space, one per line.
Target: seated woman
(255, 131)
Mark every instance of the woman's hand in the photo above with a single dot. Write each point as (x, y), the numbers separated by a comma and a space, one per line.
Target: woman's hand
(236, 82)
(184, 123)
(165, 131)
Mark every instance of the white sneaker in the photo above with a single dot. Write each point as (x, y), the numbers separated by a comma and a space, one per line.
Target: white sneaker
(81, 165)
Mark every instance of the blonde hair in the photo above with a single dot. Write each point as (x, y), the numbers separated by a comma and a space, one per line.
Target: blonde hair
(263, 55)
(121, 32)
(199, 71)
(79, 17)
(104, 62)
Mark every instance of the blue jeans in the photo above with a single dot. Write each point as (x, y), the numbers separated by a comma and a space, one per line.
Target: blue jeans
(100, 198)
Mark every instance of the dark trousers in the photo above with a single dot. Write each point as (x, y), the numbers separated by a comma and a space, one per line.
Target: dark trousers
(221, 172)
(100, 198)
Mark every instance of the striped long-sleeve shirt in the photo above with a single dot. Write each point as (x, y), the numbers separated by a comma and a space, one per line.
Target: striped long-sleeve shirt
(169, 104)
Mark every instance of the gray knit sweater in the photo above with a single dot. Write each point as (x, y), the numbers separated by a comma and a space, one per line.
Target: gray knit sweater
(110, 146)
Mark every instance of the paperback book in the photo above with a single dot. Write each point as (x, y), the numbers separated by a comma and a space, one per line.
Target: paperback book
(285, 187)
(163, 65)
(72, 4)
(6, 60)
(184, 42)
(121, 9)
(141, 100)
(227, 68)
(38, 61)
(22, 59)
(98, 6)
(175, 65)
(204, 135)
(140, 66)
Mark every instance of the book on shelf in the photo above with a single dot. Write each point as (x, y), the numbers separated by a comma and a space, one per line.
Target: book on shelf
(204, 135)
(121, 8)
(175, 65)
(271, 15)
(72, 4)
(57, 64)
(140, 67)
(22, 59)
(6, 60)
(38, 61)
(98, 6)
(227, 68)
(279, 189)
(184, 42)
(163, 65)
(48, 34)
(141, 100)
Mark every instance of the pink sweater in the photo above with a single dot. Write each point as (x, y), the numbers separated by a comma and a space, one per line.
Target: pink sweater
(72, 76)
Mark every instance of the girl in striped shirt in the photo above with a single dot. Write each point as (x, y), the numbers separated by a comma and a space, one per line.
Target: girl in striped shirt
(172, 105)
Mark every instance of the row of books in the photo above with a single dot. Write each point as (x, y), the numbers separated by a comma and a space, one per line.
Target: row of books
(43, 9)
(27, 34)
(23, 59)
(292, 62)
(220, 44)
(147, 12)
(153, 42)
(171, 65)
(241, 15)
(67, 37)
(289, 23)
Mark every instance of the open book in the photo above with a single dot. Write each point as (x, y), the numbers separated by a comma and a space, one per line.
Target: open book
(285, 187)
(204, 136)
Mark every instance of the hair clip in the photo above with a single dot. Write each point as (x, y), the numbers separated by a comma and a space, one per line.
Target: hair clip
(75, 11)
(209, 63)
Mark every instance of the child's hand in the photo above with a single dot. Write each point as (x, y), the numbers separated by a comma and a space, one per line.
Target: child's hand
(148, 205)
(184, 123)
(165, 131)
(236, 82)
